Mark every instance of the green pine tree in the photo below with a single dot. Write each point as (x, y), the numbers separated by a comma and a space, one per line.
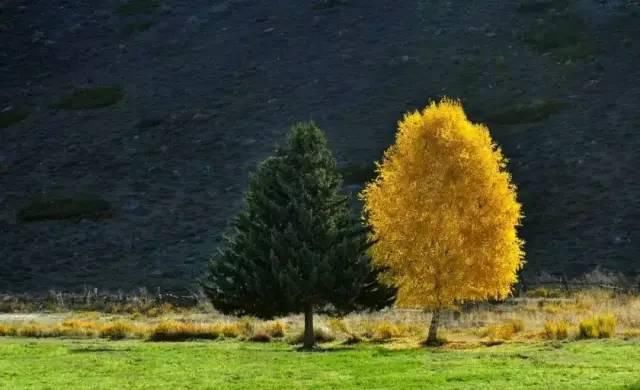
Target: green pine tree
(296, 246)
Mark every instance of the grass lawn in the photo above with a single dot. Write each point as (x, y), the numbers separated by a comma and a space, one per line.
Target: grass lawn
(91, 364)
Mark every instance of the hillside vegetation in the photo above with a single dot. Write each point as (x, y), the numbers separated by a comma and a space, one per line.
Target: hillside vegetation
(144, 118)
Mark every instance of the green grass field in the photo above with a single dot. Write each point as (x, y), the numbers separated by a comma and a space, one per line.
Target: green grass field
(90, 364)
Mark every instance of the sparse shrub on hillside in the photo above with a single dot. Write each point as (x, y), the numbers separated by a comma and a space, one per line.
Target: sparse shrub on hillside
(326, 4)
(534, 111)
(136, 27)
(90, 97)
(443, 179)
(298, 222)
(137, 7)
(566, 35)
(12, 116)
(601, 326)
(65, 208)
(540, 6)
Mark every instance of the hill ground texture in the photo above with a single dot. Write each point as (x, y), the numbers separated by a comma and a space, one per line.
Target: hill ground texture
(147, 116)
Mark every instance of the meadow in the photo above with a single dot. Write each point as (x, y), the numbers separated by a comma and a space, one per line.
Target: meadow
(90, 364)
(548, 339)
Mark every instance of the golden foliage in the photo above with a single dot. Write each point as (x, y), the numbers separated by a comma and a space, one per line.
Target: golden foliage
(444, 211)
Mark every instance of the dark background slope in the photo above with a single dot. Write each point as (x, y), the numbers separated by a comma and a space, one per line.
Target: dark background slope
(223, 80)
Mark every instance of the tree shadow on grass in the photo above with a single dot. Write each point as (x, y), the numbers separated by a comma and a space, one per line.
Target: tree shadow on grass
(97, 349)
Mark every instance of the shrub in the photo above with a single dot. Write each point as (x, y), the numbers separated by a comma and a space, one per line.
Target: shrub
(504, 331)
(607, 325)
(65, 208)
(136, 27)
(260, 337)
(275, 329)
(69, 328)
(181, 331)
(7, 330)
(517, 325)
(157, 311)
(565, 35)
(385, 331)
(88, 98)
(540, 6)
(136, 7)
(234, 329)
(556, 330)
(542, 292)
(534, 111)
(79, 327)
(322, 335)
(601, 326)
(33, 330)
(353, 339)
(245, 326)
(12, 116)
(338, 325)
(117, 330)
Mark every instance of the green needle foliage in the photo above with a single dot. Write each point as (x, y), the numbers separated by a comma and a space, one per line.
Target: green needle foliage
(296, 246)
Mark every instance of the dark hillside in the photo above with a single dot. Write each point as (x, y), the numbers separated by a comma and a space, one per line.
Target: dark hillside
(128, 128)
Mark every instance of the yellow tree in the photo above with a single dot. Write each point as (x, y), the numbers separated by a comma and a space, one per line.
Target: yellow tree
(444, 213)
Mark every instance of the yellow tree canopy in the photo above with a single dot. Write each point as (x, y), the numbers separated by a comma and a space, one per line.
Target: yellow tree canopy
(444, 212)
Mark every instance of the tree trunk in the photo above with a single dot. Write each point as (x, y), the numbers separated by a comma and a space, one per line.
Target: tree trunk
(309, 337)
(432, 337)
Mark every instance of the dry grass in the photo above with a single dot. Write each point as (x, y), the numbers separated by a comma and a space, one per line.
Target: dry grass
(556, 330)
(272, 329)
(583, 314)
(598, 327)
(503, 331)
(322, 335)
(181, 331)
